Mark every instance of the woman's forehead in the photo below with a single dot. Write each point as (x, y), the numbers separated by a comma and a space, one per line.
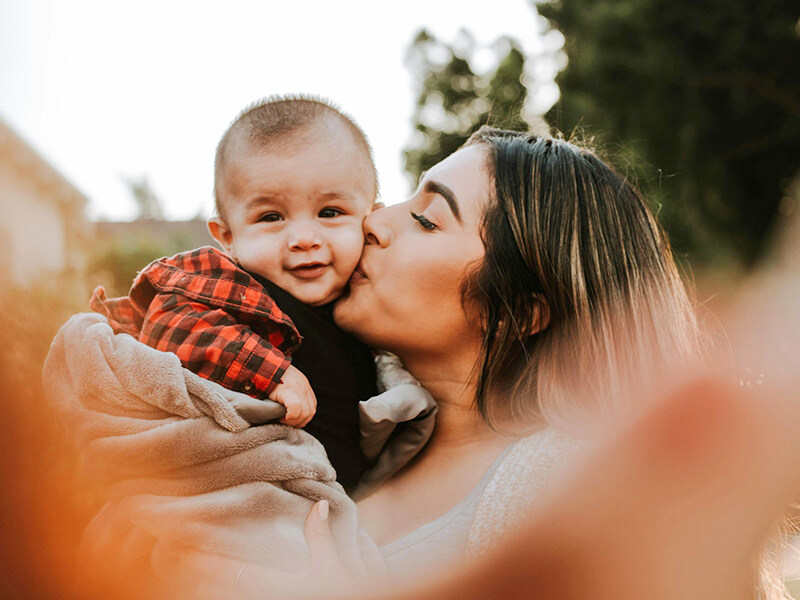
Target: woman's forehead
(465, 173)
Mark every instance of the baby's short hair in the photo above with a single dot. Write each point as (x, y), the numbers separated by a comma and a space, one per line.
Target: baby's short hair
(272, 120)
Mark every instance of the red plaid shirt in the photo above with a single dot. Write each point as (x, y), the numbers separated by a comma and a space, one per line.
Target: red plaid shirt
(219, 320)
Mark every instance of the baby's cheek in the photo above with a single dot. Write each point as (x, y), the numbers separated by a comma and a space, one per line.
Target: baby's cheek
(349, 249)
(262, 257)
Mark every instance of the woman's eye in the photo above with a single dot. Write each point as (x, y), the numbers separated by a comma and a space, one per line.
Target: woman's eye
(270, 218)
(424, 222)
(329, 213)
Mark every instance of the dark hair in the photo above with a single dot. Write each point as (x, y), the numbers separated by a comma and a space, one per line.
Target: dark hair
(275, 120)
(570, 241)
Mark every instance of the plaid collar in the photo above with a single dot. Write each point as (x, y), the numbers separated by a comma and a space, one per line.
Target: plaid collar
(212, 278)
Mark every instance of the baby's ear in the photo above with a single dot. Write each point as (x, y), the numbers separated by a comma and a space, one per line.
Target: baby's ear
(378, 204)
(220, 231)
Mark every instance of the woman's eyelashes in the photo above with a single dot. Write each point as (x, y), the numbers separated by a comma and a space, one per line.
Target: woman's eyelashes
(424, 222)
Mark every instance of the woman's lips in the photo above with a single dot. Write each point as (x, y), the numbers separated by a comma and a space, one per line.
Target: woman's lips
(308, 270)
(358, 275)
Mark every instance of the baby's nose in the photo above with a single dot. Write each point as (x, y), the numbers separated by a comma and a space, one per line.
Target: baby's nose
(303, 237)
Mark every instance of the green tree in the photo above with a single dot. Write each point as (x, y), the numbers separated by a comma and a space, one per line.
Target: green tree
(122, 249)
(148, 204)
(116, 261)
(454, 100)
(702, 99)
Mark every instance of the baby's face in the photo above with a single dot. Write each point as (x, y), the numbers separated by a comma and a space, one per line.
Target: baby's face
(294, 216)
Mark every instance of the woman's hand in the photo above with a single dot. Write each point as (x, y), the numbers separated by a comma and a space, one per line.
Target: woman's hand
(224, 578)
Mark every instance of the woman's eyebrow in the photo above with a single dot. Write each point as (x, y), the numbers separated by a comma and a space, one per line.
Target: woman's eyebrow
(434, 187)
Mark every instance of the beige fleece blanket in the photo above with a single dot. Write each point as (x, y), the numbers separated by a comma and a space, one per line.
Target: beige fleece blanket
(176, 477)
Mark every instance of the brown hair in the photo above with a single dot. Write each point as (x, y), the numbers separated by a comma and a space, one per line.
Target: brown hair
(570, 241)
(274, 120)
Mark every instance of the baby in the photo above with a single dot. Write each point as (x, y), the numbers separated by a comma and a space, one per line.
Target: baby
(294, 180)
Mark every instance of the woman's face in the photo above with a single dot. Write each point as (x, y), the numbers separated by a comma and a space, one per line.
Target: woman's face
(405, 295)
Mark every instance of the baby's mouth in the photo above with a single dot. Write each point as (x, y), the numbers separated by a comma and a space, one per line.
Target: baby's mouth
(309, 270)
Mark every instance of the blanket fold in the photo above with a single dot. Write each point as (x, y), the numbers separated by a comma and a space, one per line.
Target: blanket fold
(182, 467)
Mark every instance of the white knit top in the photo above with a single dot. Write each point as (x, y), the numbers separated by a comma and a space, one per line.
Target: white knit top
(511, 485)
(443, 540)
(529, 468)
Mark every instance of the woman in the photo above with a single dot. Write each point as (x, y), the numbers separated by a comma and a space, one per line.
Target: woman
(524, 284)
(521, 277)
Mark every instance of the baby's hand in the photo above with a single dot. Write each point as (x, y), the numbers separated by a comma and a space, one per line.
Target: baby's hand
(295, 393)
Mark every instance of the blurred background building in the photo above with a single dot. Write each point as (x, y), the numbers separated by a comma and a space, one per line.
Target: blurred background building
(44, 234)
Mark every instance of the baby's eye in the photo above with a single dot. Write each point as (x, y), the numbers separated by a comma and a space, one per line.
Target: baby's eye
(329, 213)
(424, 222)
(270, 217)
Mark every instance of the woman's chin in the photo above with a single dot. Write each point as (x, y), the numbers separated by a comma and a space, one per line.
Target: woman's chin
(345, 311)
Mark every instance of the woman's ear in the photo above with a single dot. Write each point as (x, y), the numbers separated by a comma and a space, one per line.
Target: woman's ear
(220, 231)
(541, 315)
(540, 319)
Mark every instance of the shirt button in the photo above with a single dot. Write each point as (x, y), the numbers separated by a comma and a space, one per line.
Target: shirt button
(247, 386)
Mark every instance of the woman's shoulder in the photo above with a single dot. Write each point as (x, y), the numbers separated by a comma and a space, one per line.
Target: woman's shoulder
(526, 470)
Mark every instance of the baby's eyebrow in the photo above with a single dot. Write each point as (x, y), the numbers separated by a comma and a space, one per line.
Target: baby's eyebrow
(337, 196)
(264, 199)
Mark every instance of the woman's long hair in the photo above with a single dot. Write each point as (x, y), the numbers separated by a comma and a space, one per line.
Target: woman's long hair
(571, 243)
(579, 294)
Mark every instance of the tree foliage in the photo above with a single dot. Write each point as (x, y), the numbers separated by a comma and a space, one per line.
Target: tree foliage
(454, 99)
(149, 206)
(701, 98)
(115, 262)
(122, 249)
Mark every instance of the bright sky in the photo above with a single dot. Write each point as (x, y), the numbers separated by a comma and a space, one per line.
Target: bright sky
(106, 90)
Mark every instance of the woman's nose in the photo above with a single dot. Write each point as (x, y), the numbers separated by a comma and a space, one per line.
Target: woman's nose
(303, 237)
(376, 230)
